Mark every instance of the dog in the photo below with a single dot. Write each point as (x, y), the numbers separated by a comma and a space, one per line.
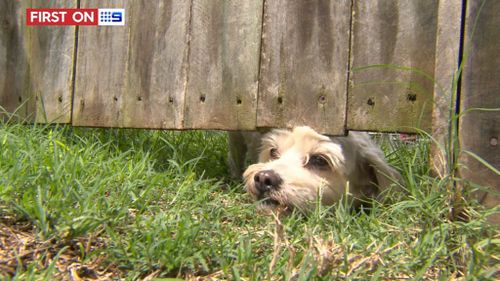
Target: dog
(294, 169)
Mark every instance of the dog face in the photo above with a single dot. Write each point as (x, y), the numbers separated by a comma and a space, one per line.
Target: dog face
(295, 169)
(298, 168)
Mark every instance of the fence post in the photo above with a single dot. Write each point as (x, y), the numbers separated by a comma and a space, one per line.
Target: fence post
(36, 67)
(479, 127)
(445, 85)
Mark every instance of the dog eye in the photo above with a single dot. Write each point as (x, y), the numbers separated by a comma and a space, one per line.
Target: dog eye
(317, 161)
(274, 153)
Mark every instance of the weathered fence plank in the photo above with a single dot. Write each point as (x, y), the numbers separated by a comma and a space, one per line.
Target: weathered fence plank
(304, 62)
(479, 129)
(134, 76)
(52, 51)
(446, 66)
(392, 58)
(36, 64)
(15, 86)
(223, 64)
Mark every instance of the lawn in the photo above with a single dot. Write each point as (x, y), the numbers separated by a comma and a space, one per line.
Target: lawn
(112, 204)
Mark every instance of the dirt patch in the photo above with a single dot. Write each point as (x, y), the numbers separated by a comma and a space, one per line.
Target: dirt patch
(75, 260)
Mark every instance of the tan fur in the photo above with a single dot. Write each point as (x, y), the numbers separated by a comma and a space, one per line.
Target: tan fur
(356, 166)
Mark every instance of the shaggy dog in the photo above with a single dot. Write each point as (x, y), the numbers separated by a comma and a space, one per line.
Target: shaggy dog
(296, 169)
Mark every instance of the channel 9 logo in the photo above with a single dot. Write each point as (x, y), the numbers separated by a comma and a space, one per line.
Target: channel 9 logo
(104, 17)
(111, 16)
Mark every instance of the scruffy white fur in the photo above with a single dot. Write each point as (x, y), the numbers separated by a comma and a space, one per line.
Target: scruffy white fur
(297, 168)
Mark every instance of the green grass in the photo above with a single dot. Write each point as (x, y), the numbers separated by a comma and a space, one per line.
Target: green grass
(135, 204)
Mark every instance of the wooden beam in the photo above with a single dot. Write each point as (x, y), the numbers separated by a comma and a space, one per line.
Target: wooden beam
(480, 129)
(134, 75)
(36, 64)
(448, 40)
(304, 63)
(223, 64)
(392, 63)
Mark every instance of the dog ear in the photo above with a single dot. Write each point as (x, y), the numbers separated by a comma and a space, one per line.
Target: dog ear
(382, 174)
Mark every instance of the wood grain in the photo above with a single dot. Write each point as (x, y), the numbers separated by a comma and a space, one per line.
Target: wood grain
(446, 66)
(223, 64)
(304, 62)
(15, 84)
(135, 75)
(392, 58)
(52, 50)
(480, 130)
(36, 64)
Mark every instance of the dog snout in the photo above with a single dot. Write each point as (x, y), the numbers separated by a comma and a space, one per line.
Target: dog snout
(267, 180)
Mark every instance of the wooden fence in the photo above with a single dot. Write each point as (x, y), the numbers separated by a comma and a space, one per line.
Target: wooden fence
(381, 65)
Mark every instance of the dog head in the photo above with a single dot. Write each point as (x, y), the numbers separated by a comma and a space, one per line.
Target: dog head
(298, 168)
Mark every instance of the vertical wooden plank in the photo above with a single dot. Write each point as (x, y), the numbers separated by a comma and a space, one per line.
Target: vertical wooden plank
(480, 130)
(134, 75)
(396, 33)
(36, 64)
(223, 64)
(15, 82)
(446, 67)
(157, 67)
(101, 72)
(52, 50)
(304, 62)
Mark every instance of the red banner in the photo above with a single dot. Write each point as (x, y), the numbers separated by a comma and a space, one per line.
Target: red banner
(62, 16)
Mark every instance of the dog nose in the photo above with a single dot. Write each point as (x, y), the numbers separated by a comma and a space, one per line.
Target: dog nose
(267, 180)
